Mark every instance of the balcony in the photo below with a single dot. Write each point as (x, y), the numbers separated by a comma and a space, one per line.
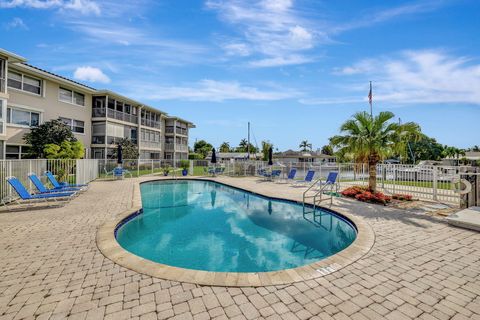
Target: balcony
(2, 86)
(151, 144)
(169, 130)
(98, 140)
(114, 114)
(181, 131)
(151, 123)
(176, 147)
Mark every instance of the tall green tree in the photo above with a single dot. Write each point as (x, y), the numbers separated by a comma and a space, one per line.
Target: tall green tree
(327, 149)
(224, 147)
(243, 146)
(65, 150)
(305, 145)
(266, 145)
(202, 147)
(129, 149)
(424, 148)
(372, 138)
(50, 132)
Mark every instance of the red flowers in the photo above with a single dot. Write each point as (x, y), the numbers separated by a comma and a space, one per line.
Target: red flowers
(365, 195)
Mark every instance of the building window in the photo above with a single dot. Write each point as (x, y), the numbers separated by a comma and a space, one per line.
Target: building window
(23, 117)
(77, 126)
(70, 96)
(17, 152)
(23, 82)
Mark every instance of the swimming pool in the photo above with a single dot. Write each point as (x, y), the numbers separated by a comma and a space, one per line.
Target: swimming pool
(204, 225)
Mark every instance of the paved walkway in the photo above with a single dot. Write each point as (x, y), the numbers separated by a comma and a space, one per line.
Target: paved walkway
(50, 267)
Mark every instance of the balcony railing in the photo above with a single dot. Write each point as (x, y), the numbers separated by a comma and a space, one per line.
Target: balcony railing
(169, 130)
(151, 123)
(98, 140)
(182, 131)
(151, 144)
(176, 147)
(122, 116)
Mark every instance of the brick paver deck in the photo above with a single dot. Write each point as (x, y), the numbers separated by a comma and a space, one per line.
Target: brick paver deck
(50, 267)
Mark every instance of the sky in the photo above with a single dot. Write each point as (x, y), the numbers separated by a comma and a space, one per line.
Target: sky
(294, 69)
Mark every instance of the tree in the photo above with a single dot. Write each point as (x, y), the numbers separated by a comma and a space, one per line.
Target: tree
(224, 147)
(202, 147)
(242, 147)
(327, 149)
(305, 145)
(50, 132)
(129, 149)
(372, 138)
(425, 148)
(266, 145)
(66, 150)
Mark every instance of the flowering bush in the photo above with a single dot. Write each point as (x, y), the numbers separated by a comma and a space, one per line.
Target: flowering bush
(365, 195)
(402, 197)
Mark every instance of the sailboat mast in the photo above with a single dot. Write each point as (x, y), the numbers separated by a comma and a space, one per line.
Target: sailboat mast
(248, 141)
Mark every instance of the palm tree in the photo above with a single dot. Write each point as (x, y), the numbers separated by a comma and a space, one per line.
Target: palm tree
(224, 147)
(242, 146)
(305, 145)
(371, 138)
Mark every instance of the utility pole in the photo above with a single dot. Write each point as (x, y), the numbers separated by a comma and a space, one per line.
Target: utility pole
(248, 142)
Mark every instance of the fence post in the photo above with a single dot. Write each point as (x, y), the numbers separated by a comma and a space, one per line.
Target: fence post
(434, 184)
(191, 168)
(152, 166)
(383, 175)
(394, 177)
(138, 167)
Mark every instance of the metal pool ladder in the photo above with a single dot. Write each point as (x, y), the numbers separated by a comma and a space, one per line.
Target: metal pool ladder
(317, 194)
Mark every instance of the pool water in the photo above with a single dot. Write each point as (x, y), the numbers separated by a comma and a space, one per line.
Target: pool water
(204, 225)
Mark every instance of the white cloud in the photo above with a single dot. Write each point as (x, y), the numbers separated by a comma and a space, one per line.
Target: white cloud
(413, 77)
(91, 74)
(280, 61)
(209, 90)
(82, 6)
(236, 49)
(272, 29)
(16, 23)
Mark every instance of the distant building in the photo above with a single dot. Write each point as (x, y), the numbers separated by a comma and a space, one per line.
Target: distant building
(291, 156)
(235, 156)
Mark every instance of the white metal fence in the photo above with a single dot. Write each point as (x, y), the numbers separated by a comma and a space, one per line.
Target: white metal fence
(72, 171)
(424, 182)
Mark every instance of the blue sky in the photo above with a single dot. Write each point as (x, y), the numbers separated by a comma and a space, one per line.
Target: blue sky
(296, 69)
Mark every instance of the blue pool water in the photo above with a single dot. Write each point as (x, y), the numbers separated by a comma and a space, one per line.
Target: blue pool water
(205, 225)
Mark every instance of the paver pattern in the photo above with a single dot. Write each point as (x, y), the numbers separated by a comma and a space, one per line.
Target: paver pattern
(50, 267)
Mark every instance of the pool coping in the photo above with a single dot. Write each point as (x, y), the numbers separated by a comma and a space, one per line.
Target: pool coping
(110, 248)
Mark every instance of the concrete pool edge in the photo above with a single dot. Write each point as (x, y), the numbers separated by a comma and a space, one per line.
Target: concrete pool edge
(110, 248)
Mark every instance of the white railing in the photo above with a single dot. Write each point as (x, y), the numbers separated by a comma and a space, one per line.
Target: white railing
(424, 182)
(72, 171)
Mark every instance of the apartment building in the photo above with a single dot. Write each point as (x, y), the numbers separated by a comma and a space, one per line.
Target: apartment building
(98, 118)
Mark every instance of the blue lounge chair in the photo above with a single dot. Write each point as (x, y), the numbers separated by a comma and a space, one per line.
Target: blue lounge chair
(291, 176)
(57, 184)
(51, 199)
(307, 180)
(330, 181)
(43, 189)
(276, 174)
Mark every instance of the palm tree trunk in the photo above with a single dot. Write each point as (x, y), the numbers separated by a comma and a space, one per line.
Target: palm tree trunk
(372, 173)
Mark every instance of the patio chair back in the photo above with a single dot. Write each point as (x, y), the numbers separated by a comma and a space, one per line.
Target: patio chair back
(19, 188)
(309, 176)
(118, 172)
(37, 183)
(291, 174)
(276, 173)
(52, 180)
(332, 177)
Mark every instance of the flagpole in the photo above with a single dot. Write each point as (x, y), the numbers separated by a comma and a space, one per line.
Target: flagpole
(371, 100)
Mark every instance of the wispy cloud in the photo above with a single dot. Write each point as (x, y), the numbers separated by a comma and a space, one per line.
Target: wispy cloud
(413, 77)
(82, 6)
(90, 74)
(269, 28)
(378, 16)
(209, 90)
(16, 23)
